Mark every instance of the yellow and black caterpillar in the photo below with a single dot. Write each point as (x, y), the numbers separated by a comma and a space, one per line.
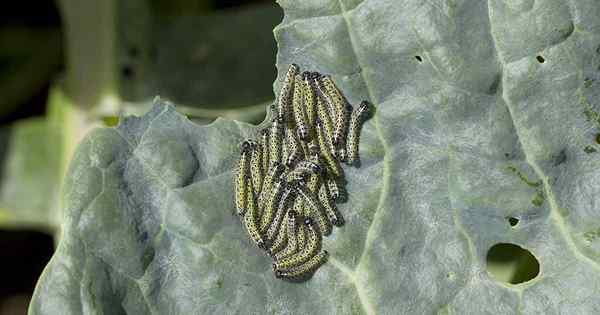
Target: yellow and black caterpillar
(287, 182)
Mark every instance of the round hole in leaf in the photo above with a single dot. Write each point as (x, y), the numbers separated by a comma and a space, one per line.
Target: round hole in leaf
(511, 263)
(540, 59)
(513, 221)
(419, 59)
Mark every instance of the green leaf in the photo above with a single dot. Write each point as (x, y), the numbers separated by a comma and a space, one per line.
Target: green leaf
(197, 65)
(34, 154)
(475, 143)
(30, 177)
(220, 61)
(28, 60)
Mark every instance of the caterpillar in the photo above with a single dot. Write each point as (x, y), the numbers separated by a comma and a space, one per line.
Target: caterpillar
(327, 128)
(312, 246)
(298, 108)
(242, 177)
(341, 151)
(281, 240)
(305, 269)
(274, 174)
(314, 179)
(301, 236)
(284, 100)
(275, 141)
(330, 209)
(302, 170)
(304, 146)
(354, 131)
(309, 101)
(270, 206)
(332, 164)
(322, 96)
(313, 149)
(292, 243)
(298, 206)
(282, 209)
(292, 152)
(339, 104)
(313, 183)
(264, 143)
(250, 218)
(334, 190)
(256, 170)
(315, 206)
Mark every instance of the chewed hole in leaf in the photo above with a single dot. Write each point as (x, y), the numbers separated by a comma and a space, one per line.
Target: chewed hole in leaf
(511, 263)
(513, 221)
(540, 59)
(419, 59)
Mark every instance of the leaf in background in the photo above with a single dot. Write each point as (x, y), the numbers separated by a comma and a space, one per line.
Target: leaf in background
(486, 114)
(220, 60)
(211, 65)
(34, 154)
(28, 59)
(30, 177)
(193, 59)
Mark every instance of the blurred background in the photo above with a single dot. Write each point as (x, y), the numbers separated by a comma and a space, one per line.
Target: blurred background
(67, 66)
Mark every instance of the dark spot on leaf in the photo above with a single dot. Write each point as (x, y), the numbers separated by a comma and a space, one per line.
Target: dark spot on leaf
(591, 236)
(589, 149)
(495, 84)
(587, 82)
(540, 59)
(590, 114)
(144, 237)
(565, 32)
(511, 263)
(538, 199)
(598, 138)
(560, 158)
(513, 221)
(402, 250)
(419, 59)
(148, 255)
(523, 177)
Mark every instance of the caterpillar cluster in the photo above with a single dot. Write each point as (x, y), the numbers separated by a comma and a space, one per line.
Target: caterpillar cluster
(288, 180)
